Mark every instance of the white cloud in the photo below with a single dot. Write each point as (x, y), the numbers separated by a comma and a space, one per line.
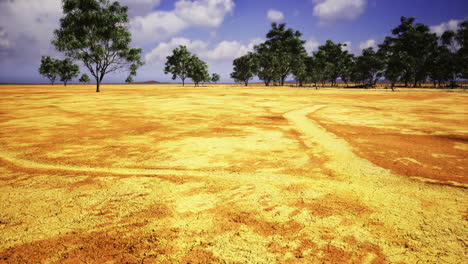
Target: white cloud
(155, 26)
(205, 13)
(450, 25)
(311, 45)
(160, 25)
(223, 51)
(227, 50)
(140, 7)
(4, 41)
(275, 15)
(27, 28)
(367, 44)
(334, 10)
(348, 46)
(164, 49)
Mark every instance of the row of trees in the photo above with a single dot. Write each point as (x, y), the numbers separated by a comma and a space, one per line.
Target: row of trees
(413, 55)
(182, 64)
(95, 32)
(65, 69)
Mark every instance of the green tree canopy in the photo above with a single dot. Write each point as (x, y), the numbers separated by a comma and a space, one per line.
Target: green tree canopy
(332, 59)
(415, 46)
(178, 64)
(84, 78)
(267, 63)
(368, 68)
(198, 70)
(49, 68)
(96, 33)
(215, 77)
(129, 79)
(244, 68)
(287, 47)
(68, 70)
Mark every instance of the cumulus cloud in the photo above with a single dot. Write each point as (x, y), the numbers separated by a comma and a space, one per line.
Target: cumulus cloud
(205, 13)
(223, 51)
(156, 26)
(311, 45)
(140, 7)
(31, 21)
(164, 49)
(367, 44)
(160, 25)
(441, 28)
(275, 15)
(329, 11)
(4, 41)
(348, 46)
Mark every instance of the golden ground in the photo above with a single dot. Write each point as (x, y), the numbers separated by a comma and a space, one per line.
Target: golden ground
(230, 174)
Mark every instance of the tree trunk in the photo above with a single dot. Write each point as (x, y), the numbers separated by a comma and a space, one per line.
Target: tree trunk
(246, 83)
(98, 83)
(183, 82)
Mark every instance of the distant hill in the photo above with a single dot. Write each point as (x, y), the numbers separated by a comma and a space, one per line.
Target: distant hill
(148, 82)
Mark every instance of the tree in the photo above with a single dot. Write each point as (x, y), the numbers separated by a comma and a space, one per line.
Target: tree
(299, 70)
(313, 70)
(84, 78)
(96, 33)
(286, 47)
(368, 68)
(129, 79)
(178, 63)
(49, 68)
(415, 46)
(215, 77)
(450, 59)
(332, 59)
(266, 64)
(198, 70)
(68, 70)
(244, 68)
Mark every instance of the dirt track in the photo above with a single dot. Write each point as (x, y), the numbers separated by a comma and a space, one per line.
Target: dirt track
(165, 174)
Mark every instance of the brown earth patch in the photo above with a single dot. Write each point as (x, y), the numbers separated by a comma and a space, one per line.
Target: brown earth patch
(408, 155)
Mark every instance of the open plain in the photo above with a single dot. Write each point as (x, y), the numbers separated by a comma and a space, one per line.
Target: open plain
(231, 174)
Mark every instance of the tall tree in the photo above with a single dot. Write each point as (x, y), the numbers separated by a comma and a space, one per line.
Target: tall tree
(368, 67)
(84, 78)
(178, 63)
(49, 68)
(96, 33)
(415, 45)
(267, 63)
(129, 79)
(299, 70)
(244, 68)
(198, 70)
(332, 58)
(215, 77)
(68, 70)
(287, 46)
(450, 60)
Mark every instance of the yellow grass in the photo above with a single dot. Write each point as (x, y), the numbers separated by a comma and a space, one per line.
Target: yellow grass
(232, 174)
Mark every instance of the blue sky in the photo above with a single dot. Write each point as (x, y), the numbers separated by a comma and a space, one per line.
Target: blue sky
(217, 30)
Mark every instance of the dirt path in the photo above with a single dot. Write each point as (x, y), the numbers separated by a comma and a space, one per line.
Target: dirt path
(392, 196)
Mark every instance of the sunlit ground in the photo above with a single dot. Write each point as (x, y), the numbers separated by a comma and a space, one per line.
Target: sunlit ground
(232, 174)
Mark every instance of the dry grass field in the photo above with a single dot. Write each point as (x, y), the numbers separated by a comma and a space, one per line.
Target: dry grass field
(231, 174)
